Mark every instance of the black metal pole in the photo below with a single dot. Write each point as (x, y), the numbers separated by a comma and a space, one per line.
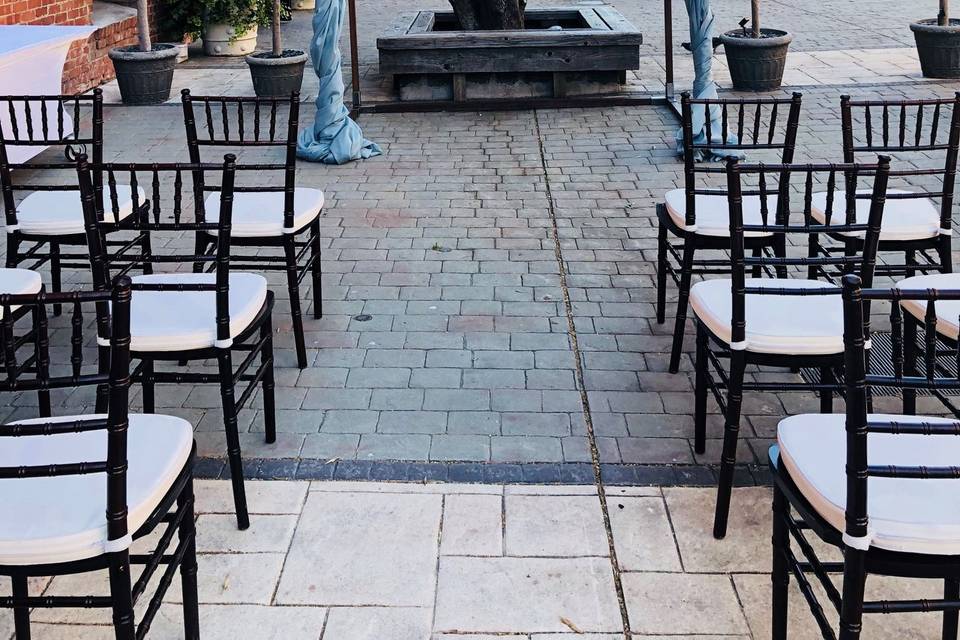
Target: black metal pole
(668, 46)
(355, 61)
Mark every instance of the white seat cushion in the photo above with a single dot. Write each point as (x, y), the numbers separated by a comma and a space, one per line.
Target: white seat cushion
(61, 519)
(184, 320)
(713, 213)
(19, 281)
(920, 516)
(948, 311)
(791, 325)
(259, 214)
(59, 213)
(910, 219)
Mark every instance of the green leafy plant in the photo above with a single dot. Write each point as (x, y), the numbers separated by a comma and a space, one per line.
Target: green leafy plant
(187, 17)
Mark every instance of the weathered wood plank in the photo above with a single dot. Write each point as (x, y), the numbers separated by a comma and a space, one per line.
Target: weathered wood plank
(510, 39)
(402, 25)
(422, 25)
(593, 20)
(459, 87)
(615, 20)
(611, 58)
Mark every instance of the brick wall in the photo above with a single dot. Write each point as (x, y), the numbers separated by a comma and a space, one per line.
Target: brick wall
(62, 12)
(87, 64)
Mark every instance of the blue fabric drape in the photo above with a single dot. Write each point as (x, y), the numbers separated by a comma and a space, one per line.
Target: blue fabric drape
(334, 137)
(701, 44)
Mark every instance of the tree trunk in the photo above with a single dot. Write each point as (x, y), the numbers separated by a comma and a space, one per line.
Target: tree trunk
(489, 14)
(944, 17)
(755, 17)
(143, 26)
(277, 42)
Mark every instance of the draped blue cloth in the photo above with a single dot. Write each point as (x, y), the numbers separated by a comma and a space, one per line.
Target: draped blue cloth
(334, 137)
(701, 44)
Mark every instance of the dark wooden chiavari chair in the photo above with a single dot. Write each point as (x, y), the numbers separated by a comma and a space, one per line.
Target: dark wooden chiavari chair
(917, 223)
(183, 317)
(276, 214)
(771, 318)
(18, 282)
(49, 216)
(76, 491)
(882, 488)
(699, 218)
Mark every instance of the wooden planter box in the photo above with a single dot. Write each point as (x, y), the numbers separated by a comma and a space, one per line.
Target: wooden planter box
(431, 59)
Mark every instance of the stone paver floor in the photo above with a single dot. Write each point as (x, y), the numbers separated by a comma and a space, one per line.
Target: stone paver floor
(381, 561)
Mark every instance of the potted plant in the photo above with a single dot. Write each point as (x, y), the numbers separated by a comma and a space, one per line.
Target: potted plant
(756, 57)
(938, 44)
(230, 26)
(278, 72)
(144, 70)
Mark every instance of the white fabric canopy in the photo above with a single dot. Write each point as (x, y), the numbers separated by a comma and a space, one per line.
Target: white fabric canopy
(31, 63)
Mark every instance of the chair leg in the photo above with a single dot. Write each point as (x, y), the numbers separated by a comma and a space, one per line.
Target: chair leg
(662, 274)
(781, 570)
(21, 615)
(146, 249)
(911, 261)
(854, 579)
(188, 567)
(731, 434)
(42, 353)
(269, 401)
(225, 363)
(945, 254)
(293, 288)
(909, 363)
(55, 281)
(199, 248)
(826, 396)
(700, 403)
(149, 402)
(757, 252)
(103, 390)
(683, 296)
(951, 591)
(315, 254)
(121, 594)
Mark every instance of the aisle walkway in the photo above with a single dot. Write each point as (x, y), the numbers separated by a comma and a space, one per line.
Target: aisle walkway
(377, 561)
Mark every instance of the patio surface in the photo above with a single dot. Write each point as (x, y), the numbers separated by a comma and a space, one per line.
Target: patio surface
(379, 561)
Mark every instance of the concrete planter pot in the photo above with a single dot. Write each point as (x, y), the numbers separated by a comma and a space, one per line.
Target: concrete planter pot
(223, 40)
(938, 47)
(756, 64)
(304, 5)
(277, 77)
(144, 77)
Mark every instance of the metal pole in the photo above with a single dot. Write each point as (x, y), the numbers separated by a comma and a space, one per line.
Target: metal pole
(355, 60)
(668, 46)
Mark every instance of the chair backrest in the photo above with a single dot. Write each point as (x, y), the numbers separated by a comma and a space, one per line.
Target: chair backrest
(858, 381)
(182, 186)
(68, 122)
(32, 372)
(239, 122)
(907, 127)
(792, 234)
(746, 124)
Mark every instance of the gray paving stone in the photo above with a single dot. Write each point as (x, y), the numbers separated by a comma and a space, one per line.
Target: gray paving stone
(535, 424)
(474, 422)
(412, 422)
(456, 399)
(376, 549)
(350, 421)
(473, 448)
(479, 595)
(330, 445)
(405, 446)
(526, 449)
(396, 399)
